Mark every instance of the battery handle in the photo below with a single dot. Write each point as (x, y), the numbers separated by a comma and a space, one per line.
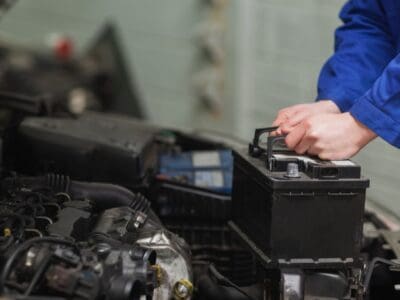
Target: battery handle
(254, 148)
(272, 140)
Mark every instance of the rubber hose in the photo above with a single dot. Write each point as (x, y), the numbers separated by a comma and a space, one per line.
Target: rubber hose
(103, 195)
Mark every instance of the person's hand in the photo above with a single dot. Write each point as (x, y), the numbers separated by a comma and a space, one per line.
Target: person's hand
(329, 136)
(291, 116)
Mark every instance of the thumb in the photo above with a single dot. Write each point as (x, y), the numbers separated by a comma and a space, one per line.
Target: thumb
(286, 128)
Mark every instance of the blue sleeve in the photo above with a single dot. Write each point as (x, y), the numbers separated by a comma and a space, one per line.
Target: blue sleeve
(379, 108)
(363, 48)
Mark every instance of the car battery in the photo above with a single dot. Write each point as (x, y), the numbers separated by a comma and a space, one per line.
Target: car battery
(297, 210)
(210, 170)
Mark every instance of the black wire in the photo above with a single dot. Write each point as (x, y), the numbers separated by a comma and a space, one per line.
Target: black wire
(376, 261)
(226, 282)
(23, 247)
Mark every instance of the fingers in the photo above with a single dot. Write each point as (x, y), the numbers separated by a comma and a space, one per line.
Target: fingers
(314, 150)
(284, 115)
(276, 132)
(295, 119)
(305, 143)
(280, 119)
(325, 155)
(285, 129)
(328, 136)
(295, 136)
(289, 118)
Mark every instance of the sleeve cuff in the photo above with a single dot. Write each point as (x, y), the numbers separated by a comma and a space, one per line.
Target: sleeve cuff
(340, 98)
(376, 120)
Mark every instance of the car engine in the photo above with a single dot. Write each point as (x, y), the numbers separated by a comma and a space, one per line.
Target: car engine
(80, 240)
(102, 206)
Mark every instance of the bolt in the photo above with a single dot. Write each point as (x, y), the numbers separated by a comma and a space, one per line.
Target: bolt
(103, 248)
(183, 289)
(292, 170)
(98, 268)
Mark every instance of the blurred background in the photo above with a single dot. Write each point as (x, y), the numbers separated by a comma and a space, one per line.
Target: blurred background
(224, 65)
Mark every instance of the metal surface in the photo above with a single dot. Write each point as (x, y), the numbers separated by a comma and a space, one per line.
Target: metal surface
(173, 258)
(293, 282)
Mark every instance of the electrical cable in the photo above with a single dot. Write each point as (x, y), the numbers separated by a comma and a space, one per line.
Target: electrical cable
(221, 279)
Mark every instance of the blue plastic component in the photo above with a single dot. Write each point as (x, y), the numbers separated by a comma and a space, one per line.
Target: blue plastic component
(212, 170)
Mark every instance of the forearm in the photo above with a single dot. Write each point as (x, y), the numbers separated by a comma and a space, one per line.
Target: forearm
(379, 107)
(363, 48)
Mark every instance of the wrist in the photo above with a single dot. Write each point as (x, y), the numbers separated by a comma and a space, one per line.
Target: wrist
(329, 106)
(364, 134)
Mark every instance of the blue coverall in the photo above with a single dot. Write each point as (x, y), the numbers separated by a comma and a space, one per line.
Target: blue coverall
(363, 76)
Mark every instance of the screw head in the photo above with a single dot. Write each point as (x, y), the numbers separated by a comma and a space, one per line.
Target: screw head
(183, 289)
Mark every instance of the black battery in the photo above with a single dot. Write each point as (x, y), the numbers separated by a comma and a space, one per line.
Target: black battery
(297, 210)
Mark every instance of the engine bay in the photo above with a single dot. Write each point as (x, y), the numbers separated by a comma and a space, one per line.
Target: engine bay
(108, 207)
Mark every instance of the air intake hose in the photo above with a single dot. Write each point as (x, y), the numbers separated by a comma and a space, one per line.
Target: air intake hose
(103, 195)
